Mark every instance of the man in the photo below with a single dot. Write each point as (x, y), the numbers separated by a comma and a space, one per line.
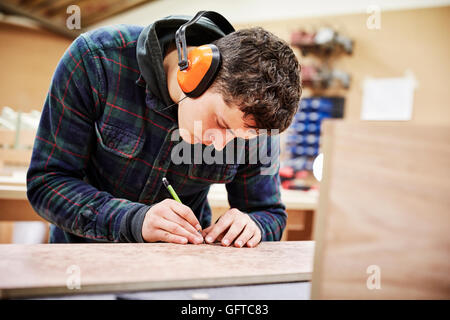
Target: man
(109, 129)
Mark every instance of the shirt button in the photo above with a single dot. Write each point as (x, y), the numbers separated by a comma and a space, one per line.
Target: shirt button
(111, 144)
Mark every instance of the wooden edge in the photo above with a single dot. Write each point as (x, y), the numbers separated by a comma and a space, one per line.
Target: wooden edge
(320, 226)
(152, 285)
(13, 192)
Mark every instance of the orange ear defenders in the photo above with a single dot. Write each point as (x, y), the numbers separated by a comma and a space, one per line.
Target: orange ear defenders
(199, 68)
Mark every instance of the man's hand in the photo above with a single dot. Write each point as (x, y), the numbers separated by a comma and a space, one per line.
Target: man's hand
(235, 226)
(171, 221)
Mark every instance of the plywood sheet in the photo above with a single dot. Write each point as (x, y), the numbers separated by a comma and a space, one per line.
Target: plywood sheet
(32, 270)
(384, 202)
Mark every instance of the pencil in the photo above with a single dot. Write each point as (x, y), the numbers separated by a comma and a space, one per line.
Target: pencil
(174, 195)
(171, 190)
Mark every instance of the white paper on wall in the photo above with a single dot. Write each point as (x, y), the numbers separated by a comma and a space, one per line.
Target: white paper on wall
(388, 98)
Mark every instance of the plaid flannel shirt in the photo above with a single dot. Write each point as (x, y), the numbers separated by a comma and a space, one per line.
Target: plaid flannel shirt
(104, 143)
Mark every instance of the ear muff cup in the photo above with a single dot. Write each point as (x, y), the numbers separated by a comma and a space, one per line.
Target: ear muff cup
(204, 64)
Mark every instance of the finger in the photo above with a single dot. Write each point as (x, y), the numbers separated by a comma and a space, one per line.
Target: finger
(245, 236)
(235, 230)
(207, 230)
(224, 223)
(186, 213)
(166, 236)
(176, 229)
(171, 216)
(219, 237)
(255, 240)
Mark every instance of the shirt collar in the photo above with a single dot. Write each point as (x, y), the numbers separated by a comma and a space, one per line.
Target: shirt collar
(168, 111)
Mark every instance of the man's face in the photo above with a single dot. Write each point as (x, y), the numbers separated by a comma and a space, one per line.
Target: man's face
(209, 120)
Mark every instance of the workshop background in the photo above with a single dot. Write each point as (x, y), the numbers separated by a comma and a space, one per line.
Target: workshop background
(361, 61)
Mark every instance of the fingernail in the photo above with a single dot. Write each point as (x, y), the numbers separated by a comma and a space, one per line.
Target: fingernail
(239, 243)
(198, 227)
(208, 239)
(198, 240)
(226, 242)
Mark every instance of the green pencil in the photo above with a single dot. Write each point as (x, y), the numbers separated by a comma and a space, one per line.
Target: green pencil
(174, 195)
(171, 190)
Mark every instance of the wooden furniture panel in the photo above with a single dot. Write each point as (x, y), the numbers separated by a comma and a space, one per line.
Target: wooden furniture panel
(18, 210)
(32, 270)
(300, 225)
(384, 202)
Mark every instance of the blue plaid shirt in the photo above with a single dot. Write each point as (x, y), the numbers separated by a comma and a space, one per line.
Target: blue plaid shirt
(104, 143)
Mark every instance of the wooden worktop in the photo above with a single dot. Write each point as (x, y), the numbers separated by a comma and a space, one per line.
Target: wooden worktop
(44, 269)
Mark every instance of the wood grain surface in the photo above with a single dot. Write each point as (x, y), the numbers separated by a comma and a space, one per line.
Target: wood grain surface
(44, 269)
(384, 202)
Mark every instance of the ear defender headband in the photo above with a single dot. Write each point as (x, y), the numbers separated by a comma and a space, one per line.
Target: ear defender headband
(199, 68)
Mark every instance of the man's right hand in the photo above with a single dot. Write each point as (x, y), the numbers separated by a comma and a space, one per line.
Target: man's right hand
(171, 221)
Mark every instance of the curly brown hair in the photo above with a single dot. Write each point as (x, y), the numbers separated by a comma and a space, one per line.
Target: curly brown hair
(259, 73)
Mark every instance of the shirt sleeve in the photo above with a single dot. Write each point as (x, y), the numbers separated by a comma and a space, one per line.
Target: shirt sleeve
(255, 190)
(56, 187)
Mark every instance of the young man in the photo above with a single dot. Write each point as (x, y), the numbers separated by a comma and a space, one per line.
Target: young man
(106, 137)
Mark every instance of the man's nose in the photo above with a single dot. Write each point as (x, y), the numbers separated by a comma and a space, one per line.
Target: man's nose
(219, 144)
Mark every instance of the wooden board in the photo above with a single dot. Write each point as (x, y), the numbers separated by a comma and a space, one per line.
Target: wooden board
(18, 210)
(36, 270)
(16, 192)
(384, 202)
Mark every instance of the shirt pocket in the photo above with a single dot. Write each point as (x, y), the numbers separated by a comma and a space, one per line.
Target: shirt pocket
(112, 160)
(119, 142)
(212, 173)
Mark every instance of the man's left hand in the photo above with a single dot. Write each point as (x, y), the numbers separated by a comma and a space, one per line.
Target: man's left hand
(234, 226)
